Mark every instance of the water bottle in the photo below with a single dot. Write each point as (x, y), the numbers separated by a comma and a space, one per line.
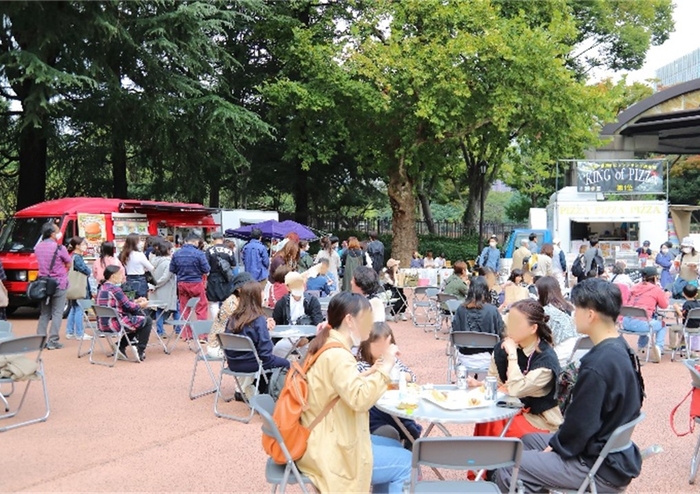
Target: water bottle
(461, 377)
(394, 375)
(402, 386)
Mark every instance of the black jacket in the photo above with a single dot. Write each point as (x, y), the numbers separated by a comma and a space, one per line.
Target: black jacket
(312, 308)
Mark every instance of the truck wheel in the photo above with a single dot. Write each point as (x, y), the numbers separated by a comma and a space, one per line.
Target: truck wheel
(66, 309)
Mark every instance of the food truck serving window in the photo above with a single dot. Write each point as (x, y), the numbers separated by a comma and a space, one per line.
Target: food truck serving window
(22, 234)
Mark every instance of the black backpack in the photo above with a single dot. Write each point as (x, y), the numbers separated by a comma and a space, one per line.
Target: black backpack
(598, 263)
(578, 268)
(224, 268)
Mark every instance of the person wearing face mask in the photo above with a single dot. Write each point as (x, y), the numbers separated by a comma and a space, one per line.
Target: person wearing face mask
(54, 261)
(296, 307)
(664, 259)
(686, 266)
(491, 257)
(341, 454)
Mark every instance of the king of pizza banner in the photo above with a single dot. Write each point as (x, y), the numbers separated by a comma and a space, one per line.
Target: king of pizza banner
(621, 176)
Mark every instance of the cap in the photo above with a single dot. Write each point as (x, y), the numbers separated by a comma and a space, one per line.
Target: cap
(217, 235)
(688, 242)
(650, 271)
(295, 283)
(556, 241)
(646, 243)
(493, 237)
(241, 279)
(392, 262)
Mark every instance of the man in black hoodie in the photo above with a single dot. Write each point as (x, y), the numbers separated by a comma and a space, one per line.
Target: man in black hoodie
(608, 393)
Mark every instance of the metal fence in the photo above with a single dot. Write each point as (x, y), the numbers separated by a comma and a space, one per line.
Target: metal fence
(452, 229)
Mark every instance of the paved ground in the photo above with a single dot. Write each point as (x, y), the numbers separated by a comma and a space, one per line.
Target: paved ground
(133, 427)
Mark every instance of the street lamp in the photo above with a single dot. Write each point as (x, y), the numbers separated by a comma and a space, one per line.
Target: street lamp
(483, 165)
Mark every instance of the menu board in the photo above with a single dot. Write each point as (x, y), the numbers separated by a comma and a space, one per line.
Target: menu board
(125, 224)
(92, 227)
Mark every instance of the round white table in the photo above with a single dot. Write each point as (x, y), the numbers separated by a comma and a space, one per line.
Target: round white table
(293, 333)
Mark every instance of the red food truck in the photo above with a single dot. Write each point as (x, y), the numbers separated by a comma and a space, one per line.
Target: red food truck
(97, 219)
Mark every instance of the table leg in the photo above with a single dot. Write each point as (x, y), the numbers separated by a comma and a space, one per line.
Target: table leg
(410, 438)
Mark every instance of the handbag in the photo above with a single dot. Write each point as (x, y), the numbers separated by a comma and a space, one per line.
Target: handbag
(44, 286)
(4, 297)
(694, 395)
(77, 284)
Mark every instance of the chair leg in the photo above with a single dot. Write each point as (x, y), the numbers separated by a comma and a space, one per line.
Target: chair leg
(42, 378)
(219, 395)
(194, 396)
(694, 462)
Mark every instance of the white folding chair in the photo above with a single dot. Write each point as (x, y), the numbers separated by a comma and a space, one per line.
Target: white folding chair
(473, 340)
(200, 328)
(85, 305)
(422, 305)
(446, 314)
(620, 440)
(641, 314)
(267, 311)
(6, 334)
(277, 475)
(695, 459)
(465, 453)
(180, 325)
(19, 347)
(238, 343)
(113, 338)
(692, 319)
(582, 346)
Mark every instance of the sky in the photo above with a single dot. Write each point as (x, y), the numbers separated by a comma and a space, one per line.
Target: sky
(681, 42)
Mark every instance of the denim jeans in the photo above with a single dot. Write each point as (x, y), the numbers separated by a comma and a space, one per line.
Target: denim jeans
(391, 466)
(640, 326)
(74, 324)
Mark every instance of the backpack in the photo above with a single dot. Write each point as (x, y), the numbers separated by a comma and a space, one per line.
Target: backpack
(292, 402)
(578, 268)
(598, 263)
(224, 267)
(532, 262)
(565, 385)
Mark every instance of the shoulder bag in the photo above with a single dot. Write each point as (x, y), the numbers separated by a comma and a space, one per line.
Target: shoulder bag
(44, 286)
(77, 284)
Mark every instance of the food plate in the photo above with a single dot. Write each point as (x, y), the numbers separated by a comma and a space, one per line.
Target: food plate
(456, 400)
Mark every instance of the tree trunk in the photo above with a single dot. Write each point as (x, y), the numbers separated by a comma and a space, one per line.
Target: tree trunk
(473, 207)
(427, 213)
(119, 180)
(215, 192)
(31, 188)
(403, 208)
(301, 195)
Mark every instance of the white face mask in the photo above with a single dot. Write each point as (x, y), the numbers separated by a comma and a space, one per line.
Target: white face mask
(493, 245)
(664, 250)
(687, 250)
(59, 236)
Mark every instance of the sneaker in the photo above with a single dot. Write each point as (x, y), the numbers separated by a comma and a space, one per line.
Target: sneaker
(121, 354)
(69, 336)
(85, 337)
(54, 345)
(655, 354)
(403, 316)
(142, 355)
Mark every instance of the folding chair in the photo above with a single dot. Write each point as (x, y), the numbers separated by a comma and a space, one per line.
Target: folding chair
(620, 440)
(583, 344)
(695, 459)
(199, 328)
(315, 293)
(693, 315)
(472, 340)
(637, 313)
(6, 334)
(277, 475)
(465, 453)
(446, 314)
(19, 346)
(267, 311)
(85, 305)
(238, 343)
(113, 338)
(423, 301)
(179, 325)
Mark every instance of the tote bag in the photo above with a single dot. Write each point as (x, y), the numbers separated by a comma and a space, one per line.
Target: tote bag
(77, 284)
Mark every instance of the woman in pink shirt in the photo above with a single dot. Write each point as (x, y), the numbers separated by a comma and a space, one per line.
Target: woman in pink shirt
(106, 259)
(649, 296)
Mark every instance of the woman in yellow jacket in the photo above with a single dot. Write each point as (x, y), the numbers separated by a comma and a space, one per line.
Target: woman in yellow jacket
(341, 455)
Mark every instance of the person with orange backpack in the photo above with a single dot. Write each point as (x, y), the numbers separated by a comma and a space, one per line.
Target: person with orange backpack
(333, 408)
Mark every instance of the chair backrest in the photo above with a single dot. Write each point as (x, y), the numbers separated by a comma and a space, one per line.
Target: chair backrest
(468, 453)
(453, 305)
(420, 292)
(432, 292)
(108, 312)
(264, 405)
(474, 339)
(236, 343)
(5, 328)
(200, 327)
(85, 303)
(635, 312)
(693, 314)
(584, 343)
(191, 303)
(22, 344)
(694, 373)
(267, 311)
(315, 293)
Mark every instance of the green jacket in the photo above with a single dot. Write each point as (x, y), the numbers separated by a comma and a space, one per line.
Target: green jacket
(454, 285)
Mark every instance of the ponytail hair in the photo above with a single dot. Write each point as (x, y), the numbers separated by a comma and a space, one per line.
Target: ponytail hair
(534, 312)
(339, 307)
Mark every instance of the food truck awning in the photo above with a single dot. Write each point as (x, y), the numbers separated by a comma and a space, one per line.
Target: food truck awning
(681, 216)
(145, 207)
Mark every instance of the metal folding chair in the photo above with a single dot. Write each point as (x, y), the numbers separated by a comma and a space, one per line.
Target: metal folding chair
(237, 343)
(179, 325)
(446, 314)
(620, 440)
(5, 330)
(200, 328)
(465, 453)
(695, 459)
(424, 304)
(267, 311)
(6, 334)
(111, 337)
(277, 475)
(20, 346)
(85, 305)
(315, 293)
(637, 313)
(693, 315)
(472, 340)
(583, 344)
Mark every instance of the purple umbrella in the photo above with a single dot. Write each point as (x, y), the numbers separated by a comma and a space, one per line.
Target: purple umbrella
(274, 229)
